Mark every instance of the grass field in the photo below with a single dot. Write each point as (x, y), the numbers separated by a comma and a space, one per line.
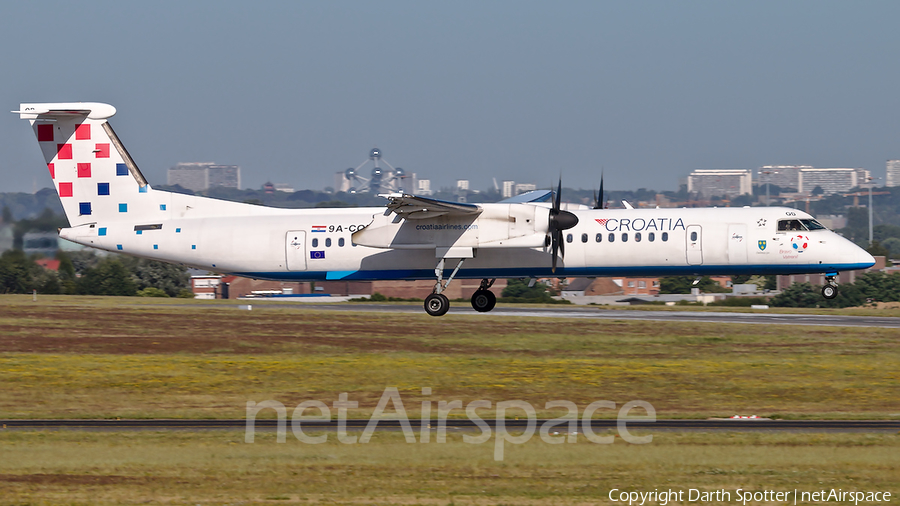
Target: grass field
(217, 467)
(73, 357)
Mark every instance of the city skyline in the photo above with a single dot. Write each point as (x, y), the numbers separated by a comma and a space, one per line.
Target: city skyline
(293, 92)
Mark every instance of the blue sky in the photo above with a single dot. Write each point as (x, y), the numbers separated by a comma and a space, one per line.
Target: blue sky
(295, 91)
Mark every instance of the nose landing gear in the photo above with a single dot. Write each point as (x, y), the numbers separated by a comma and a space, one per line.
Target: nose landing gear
(830, 289)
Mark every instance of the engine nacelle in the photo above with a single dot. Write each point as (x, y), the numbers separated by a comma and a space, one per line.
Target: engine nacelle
(498, 225)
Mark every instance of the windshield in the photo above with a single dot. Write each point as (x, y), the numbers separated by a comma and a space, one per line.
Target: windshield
(799, 224)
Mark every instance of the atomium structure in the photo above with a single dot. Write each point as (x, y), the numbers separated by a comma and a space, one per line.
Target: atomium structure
(381, 180)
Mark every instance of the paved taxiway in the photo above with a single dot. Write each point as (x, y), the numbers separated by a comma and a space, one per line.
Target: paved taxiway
(755, 318)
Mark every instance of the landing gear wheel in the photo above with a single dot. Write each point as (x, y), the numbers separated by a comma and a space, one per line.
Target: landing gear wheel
(483, 300)
(829, 291)
(437, 304)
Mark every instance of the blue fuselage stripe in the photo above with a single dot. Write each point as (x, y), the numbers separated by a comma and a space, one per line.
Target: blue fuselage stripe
(522, 272)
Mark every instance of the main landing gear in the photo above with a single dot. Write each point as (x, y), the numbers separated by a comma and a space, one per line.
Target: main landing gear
(437, 304)
(483, 300)
(830, 290)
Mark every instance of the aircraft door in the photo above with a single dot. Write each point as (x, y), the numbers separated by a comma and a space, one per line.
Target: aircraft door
(693, 244)
(295, 250)
(737, 243)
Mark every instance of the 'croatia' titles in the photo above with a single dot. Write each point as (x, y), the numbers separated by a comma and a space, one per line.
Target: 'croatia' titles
(641, 224)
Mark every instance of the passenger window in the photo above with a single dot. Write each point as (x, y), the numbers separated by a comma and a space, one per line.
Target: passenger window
(584, 238)
(665, 236)
(328, 242)
(651, 236)
(341, 242)
(599, 238)
(612, 237)
(624, 237)
(569, 238)
(637, 237)
(315, 243)
(693, 236)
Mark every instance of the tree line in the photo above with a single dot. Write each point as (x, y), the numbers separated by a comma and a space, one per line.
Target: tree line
(86, 273)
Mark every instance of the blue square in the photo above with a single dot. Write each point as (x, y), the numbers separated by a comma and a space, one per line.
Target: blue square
(102, 188)
(316, 255)
(142, 189)
(123, 208)
(162, 207)
(193, 246)
(177, 230)
(119, 247)
(121, 169)
(84, 208)
(102, 231)
(156, 246)
(139, 232)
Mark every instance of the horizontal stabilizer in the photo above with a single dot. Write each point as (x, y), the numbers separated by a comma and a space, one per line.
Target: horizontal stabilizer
(92, 110)
(532, 196)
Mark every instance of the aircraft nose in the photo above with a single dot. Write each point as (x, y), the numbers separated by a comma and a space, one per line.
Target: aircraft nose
(865, 258)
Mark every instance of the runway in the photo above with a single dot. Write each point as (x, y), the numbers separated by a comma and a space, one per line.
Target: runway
(755, 318)
(742, 425)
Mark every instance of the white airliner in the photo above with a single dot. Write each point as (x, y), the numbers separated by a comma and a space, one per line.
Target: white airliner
(111, 206)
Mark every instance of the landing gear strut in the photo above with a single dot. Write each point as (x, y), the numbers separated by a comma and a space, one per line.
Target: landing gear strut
(830, 290)
(483, 300)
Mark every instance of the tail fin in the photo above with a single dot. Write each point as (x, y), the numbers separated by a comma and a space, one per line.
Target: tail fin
(94, 175)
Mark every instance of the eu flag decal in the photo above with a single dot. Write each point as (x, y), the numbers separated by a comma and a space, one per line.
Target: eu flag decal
(316, 255)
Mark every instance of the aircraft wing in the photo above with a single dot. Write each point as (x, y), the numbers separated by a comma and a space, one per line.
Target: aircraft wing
(416, 207)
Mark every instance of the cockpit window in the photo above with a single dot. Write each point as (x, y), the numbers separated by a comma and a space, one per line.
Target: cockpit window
(813, 225)
(798, 225)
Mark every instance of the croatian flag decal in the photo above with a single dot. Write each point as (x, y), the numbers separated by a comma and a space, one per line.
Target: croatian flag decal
(316, 255)
(318, 228)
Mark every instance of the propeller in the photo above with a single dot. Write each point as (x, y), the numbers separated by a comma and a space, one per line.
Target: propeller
(559, 221)
(600, 198)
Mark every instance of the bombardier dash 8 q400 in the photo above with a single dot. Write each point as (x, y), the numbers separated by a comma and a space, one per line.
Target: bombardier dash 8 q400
(111, 206)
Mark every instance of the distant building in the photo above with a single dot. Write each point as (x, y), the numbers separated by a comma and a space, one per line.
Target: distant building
(6, 237)
(203, 176)
(720, 182)
(341, 183)
(782, 176)
(462, 184)
(424, 187)
(45, 243)
(831, 180)
(508, 190)
(893, 173)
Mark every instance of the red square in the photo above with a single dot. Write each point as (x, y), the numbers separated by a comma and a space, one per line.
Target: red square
(102, 150)
(45, 133)
(84, 170)
(65, 189)
(64, 151)
(83, 132)
(52, 170)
